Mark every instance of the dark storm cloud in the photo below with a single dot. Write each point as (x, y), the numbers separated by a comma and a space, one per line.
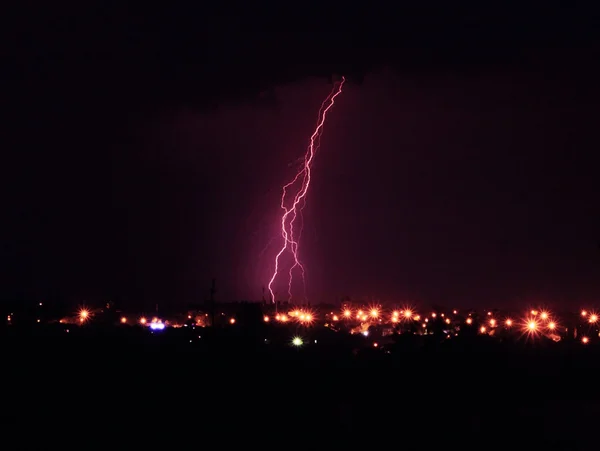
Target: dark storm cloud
(463, 188)
(145, 157)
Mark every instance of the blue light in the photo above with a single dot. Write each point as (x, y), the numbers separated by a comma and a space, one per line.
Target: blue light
(157, 326)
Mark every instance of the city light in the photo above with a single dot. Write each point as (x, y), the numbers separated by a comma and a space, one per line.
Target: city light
(157, 326)
(83, 314)
(379, 323)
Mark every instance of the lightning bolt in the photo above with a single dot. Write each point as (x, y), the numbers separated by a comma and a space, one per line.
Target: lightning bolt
(291, 232)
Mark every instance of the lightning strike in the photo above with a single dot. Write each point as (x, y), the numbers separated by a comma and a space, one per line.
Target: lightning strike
(291, 231)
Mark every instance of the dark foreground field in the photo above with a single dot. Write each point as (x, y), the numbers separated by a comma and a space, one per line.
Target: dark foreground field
(138, 393)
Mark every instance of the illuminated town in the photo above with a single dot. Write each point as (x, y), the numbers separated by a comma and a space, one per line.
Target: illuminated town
(376, 326)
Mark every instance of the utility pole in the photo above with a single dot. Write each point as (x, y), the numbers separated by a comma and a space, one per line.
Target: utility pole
(213, 290)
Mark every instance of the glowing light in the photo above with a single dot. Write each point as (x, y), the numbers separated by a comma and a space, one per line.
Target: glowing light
(84, 315)
(593, 318)
(347, 313)
(544, 315)
(123, 320)
(374, 313)
(266, 319)
(482, 329)
(305, 317)
(508, 322)
(585, 340)
(232, 321)
(143, 320)
(290, 235)
(408, 313)
(531, 326)
(583, 313)
(335, 318)
(551, 325)
(493, 322)
(469, 321)
(157, 325)
(297, 341)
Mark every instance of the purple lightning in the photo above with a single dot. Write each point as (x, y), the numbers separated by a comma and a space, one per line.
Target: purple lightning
(290, 231)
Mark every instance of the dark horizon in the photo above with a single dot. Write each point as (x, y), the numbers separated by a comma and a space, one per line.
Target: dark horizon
(459, 167)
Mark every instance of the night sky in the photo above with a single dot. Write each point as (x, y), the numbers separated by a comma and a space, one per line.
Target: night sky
(146, 151)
